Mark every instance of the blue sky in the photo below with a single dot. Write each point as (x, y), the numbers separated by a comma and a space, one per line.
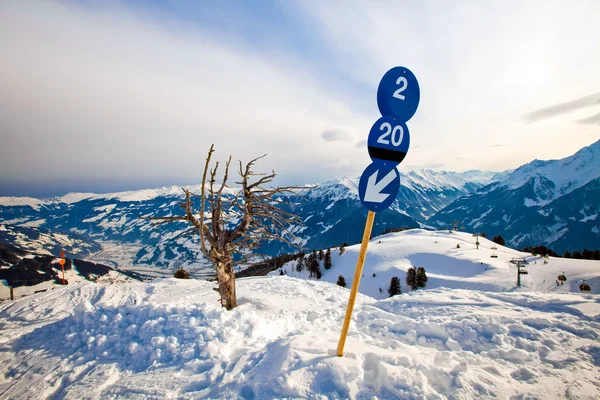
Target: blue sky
(107, 96)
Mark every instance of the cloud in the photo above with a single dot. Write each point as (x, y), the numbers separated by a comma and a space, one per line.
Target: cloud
(563, 108)
(102, 92)
(593, 120)
(427, 166)
(361, 144)
(125, 90)
(496, 145)
(344, 162)
(335, 135)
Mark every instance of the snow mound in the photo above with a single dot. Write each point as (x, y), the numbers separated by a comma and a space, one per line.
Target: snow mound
(171, 339)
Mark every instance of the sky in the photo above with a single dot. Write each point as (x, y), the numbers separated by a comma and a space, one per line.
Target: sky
(102, 96)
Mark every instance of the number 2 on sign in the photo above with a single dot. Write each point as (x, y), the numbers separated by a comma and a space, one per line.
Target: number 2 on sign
(397, 133)
(401, 81)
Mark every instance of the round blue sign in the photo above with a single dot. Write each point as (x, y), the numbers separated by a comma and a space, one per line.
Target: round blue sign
(378, 186)
(398, 93)
(389, 140)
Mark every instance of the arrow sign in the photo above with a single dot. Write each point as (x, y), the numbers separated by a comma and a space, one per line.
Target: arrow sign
(378, 186)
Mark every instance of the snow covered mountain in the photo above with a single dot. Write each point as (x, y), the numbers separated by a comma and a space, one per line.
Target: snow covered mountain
(42, 241)
(332, 215)
(553, 203)
(423, 193)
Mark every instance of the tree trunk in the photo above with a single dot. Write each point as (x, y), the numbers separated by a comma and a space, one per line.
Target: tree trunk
(226, 279)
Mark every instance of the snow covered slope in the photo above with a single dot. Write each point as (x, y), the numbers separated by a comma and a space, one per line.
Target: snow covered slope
(553, 203)
(42, 241)
(171, 339)
(450, 267)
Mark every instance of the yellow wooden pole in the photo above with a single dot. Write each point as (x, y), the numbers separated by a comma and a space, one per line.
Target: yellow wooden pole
(357, 274)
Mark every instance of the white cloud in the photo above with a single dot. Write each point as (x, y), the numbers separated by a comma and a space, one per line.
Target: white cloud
(344, 162)
(105, 93)
(335, 135)
(102, 92)
(480, 66)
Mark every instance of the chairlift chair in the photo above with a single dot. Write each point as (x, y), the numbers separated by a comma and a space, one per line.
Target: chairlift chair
(584, 287)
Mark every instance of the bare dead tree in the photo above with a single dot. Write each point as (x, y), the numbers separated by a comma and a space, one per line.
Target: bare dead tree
(238, 225)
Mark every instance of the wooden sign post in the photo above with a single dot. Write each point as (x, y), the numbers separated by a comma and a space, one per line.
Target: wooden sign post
(356, 281)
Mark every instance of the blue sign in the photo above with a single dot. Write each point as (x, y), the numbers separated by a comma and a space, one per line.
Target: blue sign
(389, 140)
(378, 186)
(398, 94)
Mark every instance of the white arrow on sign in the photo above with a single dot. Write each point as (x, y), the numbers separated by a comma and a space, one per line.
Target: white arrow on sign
(373, 192)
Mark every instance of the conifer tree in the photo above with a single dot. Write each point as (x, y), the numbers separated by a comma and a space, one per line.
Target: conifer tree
(321, 255)
(394, 288)
(182, 274)
(300, 264)
(411, 278)
(421, 277)
(341, 281)
(498, 240)
(312, 264)
(342, 249)
(318, 273)
(327, 263)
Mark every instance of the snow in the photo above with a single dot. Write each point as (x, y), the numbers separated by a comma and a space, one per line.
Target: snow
(70, 198)
(435, 180)
(171, 339)
(104, 211)
(21, 201)
(149, 194)
(589, 218)
(33, 224)
(566, 174)
(450, 267)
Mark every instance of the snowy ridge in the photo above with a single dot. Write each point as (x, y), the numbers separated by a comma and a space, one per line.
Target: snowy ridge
(565, 175)
(338, 189)
(171, 339)
(149, 194)
(75, 197)
(126, 196)
(434, 180)
(21, 201)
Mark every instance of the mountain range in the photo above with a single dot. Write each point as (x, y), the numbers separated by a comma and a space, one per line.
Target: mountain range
(553, 203)
(331, 213)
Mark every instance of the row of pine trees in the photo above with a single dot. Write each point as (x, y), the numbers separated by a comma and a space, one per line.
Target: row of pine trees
(415, 278)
